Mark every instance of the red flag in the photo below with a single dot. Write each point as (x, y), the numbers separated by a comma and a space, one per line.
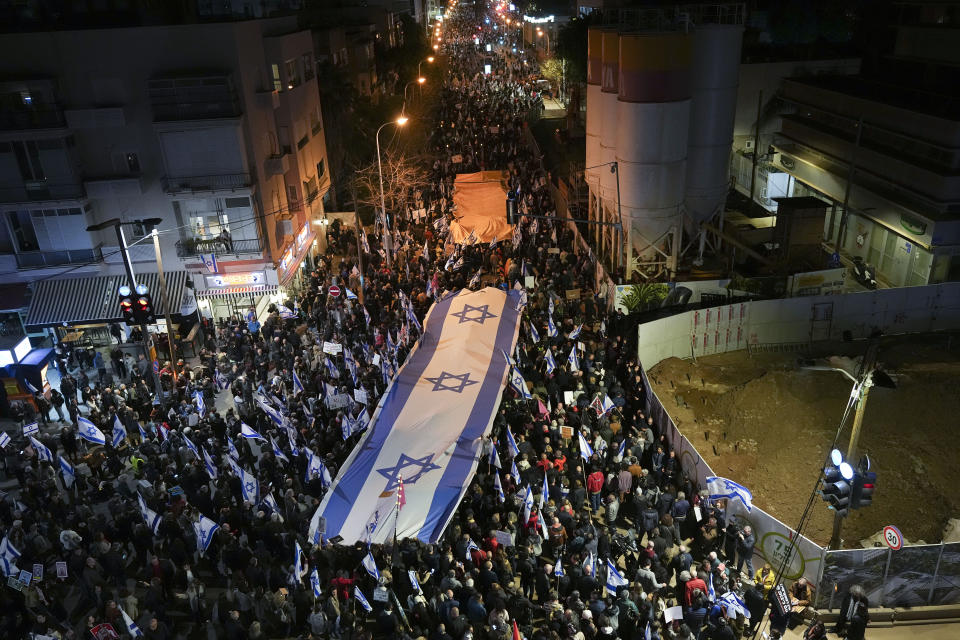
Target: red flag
(516, 632)
(401, 495)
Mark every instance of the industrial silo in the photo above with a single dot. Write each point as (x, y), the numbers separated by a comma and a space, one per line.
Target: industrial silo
(609, 127)
(653, 119)
(594, 71)
(714, 80)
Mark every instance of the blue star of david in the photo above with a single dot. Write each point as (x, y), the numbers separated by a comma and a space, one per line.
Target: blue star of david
(249, 487)
(439, 383)
(393, 474)
(91, 430)
(469, 308)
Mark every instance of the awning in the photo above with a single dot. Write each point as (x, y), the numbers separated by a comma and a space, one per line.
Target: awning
(235, 293)
(95, 300)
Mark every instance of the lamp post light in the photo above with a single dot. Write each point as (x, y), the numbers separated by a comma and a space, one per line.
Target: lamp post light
(419, 64)
(387, 240)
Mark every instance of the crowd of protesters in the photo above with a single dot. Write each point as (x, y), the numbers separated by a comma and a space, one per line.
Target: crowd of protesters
(629, 506)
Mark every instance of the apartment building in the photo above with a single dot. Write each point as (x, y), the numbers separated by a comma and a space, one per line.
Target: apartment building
(215, 128)
(887, 141)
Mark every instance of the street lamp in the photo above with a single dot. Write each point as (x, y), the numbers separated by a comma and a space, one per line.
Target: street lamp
(387, 241)
(427, 59)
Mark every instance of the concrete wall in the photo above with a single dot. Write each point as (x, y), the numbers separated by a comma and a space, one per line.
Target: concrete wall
(806, 319)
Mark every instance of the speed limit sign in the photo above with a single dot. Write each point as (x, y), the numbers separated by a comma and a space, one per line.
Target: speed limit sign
(893, 537)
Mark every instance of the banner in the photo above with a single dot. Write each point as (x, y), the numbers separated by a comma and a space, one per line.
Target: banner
(428, 426)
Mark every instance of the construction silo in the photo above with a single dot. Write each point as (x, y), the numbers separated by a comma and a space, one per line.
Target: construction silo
(714, 80)
(594, 108)
(609, 128)
(653, 119)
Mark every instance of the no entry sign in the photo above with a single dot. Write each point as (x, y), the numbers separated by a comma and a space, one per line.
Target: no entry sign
(334, 290)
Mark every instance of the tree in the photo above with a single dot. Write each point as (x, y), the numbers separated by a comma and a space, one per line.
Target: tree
(403, 174)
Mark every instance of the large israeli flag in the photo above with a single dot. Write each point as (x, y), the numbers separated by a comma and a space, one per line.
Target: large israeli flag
(429, 424)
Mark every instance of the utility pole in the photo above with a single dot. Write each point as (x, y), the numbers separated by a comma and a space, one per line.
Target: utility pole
(756, 150)
(851, 172)
(166, 299)
(356, 226)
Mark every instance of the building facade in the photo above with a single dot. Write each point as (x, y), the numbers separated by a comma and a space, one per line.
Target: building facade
(215, 128)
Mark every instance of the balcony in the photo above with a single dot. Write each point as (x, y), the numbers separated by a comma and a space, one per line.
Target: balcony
(96, 117)
(195, 184)
(41, 259)
(49, 117)
(113, 187)
(277, 164)
(197, 246)
(193, 98)
(42, 191)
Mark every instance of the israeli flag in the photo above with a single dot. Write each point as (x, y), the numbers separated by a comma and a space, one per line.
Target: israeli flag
(220, 381)
(90, 433)
(475, 280)
(494, 457)
(576, 332)
(608, 405)
(43, 453)
(4, 439)
(590, 565)
(9, 555)
(232, 449)
(187, 441)
(201, 405)
(131, 626)
(719, 487)
(519, 384)
(143, 434)
(297, 385)
(514, 472)
(471, 545)
(711, 592)
(573, 360)
(499, 487)
(119, 432)
(366, 315)
(522, 301)
(271, 502)
(361, 599)
(527, 504)
(350, 294)
(647, 635)
(247, 432)
(533, 333)
(149, 515)
(209, 465)
(315, 583)
(69, 474)
(210, 262)
(332, 368)
(371, 566)
(585, 449)
(544, 490)
(250, 486)
(551, 363)
(558, 569)
(204, 528)
(412, 574)
(622, 449)
(31, 429)
(550, 305)
(614, 579)
(316, 468)
(278, 452)
(514, 449)
(298, 569)
(506, 356)
(732, 602)
(364, 243)
(551, 327)
(450, 261)
(285, 312)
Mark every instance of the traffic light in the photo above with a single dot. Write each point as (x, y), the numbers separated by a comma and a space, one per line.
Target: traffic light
(143, 306)
(511, 208)
(837, 483)
(864, 483)
(126, 305)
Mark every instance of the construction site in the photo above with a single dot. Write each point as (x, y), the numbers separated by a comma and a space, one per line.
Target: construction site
(767, 422)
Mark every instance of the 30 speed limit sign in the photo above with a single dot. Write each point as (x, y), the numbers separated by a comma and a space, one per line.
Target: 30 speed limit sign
(893, 537)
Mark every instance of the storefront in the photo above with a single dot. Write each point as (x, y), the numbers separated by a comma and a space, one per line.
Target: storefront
(79, 311)
(293, 261)
(227, 295)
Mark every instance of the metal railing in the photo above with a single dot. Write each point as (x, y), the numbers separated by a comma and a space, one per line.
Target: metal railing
(197, 246)
(223, 182)
(41, 190)
(40, 259)
(40, 118)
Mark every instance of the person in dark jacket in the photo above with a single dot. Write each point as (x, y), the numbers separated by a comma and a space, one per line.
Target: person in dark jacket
(854, 614)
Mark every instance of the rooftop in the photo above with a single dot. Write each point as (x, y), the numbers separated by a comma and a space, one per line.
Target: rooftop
(939, 105)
